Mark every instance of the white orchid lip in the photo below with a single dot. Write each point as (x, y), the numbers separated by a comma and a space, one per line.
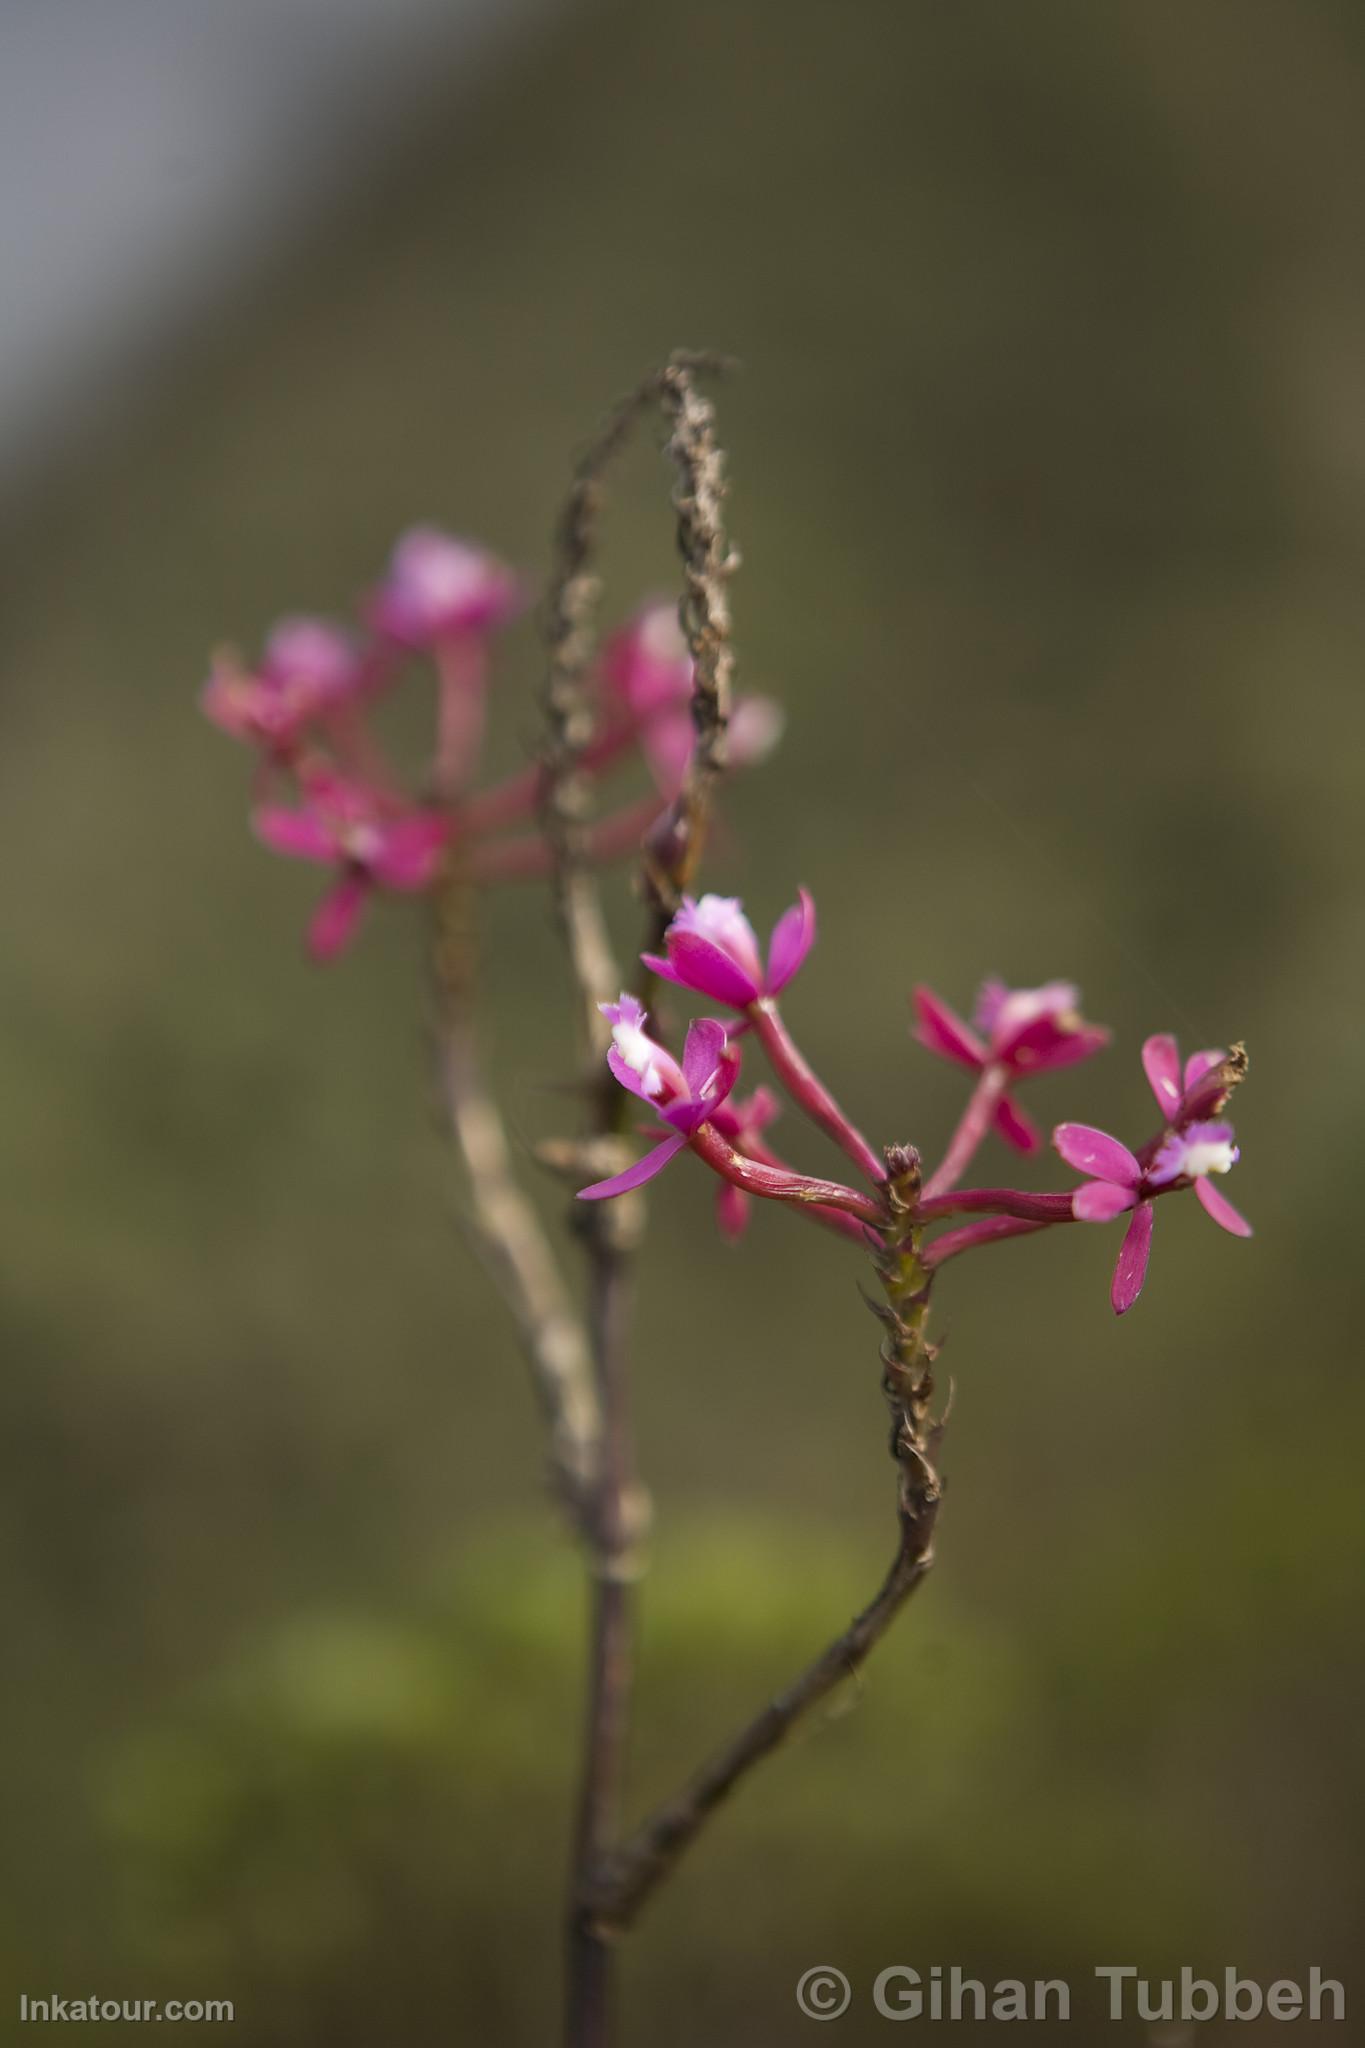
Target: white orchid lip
(1213, 1156)
(640, 1054)
(1194, 1153)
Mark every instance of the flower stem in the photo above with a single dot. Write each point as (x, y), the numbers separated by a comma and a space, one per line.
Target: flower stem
(779, 1183)
(997, 1202)
(977, 1119)
(991, 1230)
(461, 691)
(807, 1091)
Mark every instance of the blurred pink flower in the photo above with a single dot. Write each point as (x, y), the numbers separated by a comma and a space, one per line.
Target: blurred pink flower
(439, 588)
(308, 669)
(375, 846)
(648, 673)
(1014, 1032)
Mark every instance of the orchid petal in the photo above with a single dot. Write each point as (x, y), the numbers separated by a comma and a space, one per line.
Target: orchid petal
(702, 1052)
(664, 969)
(1220, 1208)
(1131, 1268)
(1161, 1064)
(941, 1030)
(295, 833)
(755, 729)
(336, 917)
(1100, 1201)
(634, 1176)
(1200, 1063)
(732, 1211)
(411, 852)
(1043, 1045)
(793, 936)
(704, 968)
(1096, 1153)
(630, 1077)
(666, 742)
(1016, 1128)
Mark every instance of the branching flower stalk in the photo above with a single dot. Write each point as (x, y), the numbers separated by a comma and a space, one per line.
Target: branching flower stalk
(659, 690)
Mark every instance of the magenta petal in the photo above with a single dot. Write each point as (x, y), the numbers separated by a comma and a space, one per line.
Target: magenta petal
(1220, 1208)
(666, 742)
(634, 1176)
(1038, 1050)
(336, 917)
(1016, 1128)
(1100, 1201)
(1131, 1269)
(703, 967)
(293, 832)
(411, 853)
(1096, 1153)
(662, 968)
(702, 1051)
(732, 1211)
(942, 1031)
(1200, 1063)
(1161, 1064)
(626, 1074)
(793, 936)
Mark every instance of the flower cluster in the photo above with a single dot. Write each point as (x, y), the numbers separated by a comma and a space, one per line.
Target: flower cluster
(711, 950)
(326, 790)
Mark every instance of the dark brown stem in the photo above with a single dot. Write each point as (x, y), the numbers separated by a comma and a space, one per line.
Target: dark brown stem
(616, 1534)
(611, 1230)
(650, 1855)
(629, 1878)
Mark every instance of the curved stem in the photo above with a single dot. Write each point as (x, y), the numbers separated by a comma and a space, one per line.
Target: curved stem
(990, 1231)
(779, 1184)
(833, 1219)
(976, 1121)
(462, 673)
(806, 1089)
(998, 1202)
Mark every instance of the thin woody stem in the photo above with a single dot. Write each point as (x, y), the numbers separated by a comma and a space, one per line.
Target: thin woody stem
(630, 1877)
(649, 1856)
(965, 1142)
(503, 1224)
(806, 1089)
(672, 857)
(609, 1236)
(611, 1230)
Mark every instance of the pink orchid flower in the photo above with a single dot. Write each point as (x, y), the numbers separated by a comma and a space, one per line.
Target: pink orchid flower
(712, 949)
(1185, 1155)
(1018, 1031)
(348, 825)
(742, 1124)
(684, 1095)
(648, 672)
(439, 588)
(309, 668)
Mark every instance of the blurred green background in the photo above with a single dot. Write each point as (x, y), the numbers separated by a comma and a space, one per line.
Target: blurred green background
(1048, 465)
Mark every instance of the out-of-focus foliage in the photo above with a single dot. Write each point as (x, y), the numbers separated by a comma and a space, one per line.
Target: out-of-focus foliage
(1049, 461)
